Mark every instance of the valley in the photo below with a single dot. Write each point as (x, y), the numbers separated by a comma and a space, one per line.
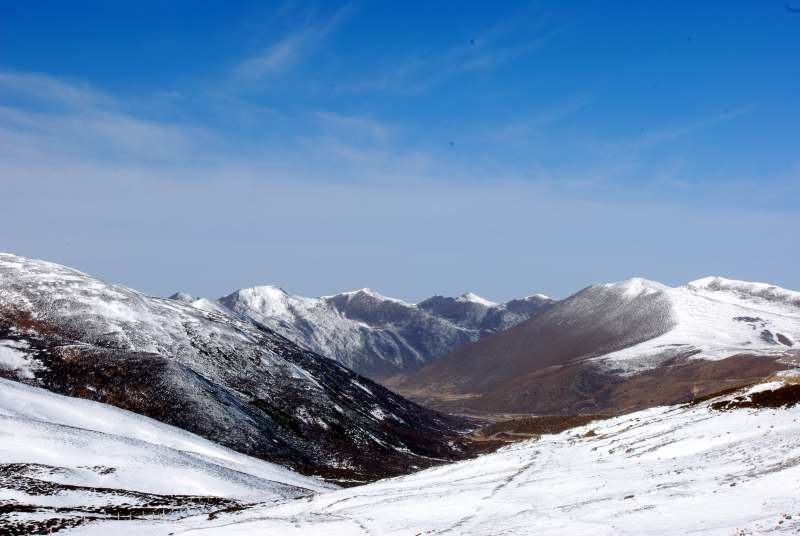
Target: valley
(597, 414)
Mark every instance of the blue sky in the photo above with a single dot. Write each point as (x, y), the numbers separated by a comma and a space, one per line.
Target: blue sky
(415, 148)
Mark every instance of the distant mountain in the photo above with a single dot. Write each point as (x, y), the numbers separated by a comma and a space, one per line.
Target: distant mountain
(211, 373)
(373, 334)
(620, 346)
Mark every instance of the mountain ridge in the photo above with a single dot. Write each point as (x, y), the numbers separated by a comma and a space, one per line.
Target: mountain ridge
(373, 334)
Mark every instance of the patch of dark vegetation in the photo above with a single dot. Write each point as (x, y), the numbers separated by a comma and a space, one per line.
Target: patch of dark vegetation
(748, 319)
(27, 527)
(768, 337)
(783, 397)
(717, 394)
(552, 424)
(783, 339)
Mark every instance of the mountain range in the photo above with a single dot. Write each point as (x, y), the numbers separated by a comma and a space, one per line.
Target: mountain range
(374, 335)
(133, 414)
(619, 347)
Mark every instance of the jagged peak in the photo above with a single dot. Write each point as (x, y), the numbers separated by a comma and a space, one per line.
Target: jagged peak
(183, 297)
(366, 291)
(264, 289)
(263, 293)
(471, 297)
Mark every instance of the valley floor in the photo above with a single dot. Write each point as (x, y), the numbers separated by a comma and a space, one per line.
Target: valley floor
(667, 470)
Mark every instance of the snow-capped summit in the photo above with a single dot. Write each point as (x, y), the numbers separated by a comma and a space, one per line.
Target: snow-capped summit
(635, 286)
(540, 297)
(270, 299)
(367, 293)
(471, 297)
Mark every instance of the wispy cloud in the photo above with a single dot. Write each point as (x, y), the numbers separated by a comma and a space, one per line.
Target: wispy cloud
(418, 73)
(86, 121)
(354, 124)
(292, 48)
(675, 131)
(536, 123)
(46, 88)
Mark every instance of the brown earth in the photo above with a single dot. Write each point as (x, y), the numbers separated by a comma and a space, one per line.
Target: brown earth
(582, 388)
(546, 365)
(786, 396)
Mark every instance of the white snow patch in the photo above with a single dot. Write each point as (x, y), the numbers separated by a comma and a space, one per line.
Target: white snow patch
(471, 297)
(378, 413)
(361, 386)
(39, 427)
(14, 359)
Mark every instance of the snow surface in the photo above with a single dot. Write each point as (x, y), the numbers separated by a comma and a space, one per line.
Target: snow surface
(13, 358)
(712, 318)
(471, 297)
(663, 471)
(39, 427)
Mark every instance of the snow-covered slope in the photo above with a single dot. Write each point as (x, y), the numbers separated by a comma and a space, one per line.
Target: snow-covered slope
(371, 333)
(208, 372)
(64, 458)
(663, 471)
(40, 427)
(714, 318)
(619, 346)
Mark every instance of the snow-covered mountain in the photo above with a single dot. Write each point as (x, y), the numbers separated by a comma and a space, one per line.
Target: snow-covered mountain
(210, 373)
(696, 468)
(620, 346)
(712, 318)
(373, 334)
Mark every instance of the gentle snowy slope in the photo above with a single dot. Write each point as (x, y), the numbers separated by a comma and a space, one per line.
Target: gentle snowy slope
(714, 318)
(663, 471)
(373, 334)
(44, 428)
(63, 458)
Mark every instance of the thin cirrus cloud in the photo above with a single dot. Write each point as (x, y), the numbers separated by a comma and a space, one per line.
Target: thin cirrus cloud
(48, 117)
(89, 128)
(41, 87)
(418, 73)
(370, 128)
(291, 49)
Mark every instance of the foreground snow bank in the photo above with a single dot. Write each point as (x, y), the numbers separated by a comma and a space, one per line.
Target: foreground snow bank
(92, 444)
(668, 470)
